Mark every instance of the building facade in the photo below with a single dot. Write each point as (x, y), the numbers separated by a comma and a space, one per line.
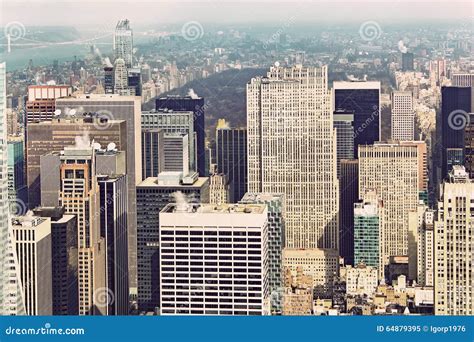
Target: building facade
(197, 246)
(292, 150)
(153, 194)
(231, 159)
(454, 246)
(403, 116)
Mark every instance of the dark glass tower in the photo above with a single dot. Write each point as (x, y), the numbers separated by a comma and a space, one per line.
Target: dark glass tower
(362, 98)
(231, 147)
(196, 105)
(349, 193)
(408, 61)
(456, 103)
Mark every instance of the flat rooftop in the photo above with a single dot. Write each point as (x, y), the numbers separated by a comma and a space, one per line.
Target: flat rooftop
(153, 182)
(214, 209)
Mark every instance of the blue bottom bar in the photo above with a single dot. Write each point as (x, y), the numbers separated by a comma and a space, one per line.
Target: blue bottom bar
(238, 329)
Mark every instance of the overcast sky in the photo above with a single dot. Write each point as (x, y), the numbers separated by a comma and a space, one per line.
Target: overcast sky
(97, 12)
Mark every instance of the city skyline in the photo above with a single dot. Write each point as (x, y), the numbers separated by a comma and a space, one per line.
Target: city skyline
(289, 167)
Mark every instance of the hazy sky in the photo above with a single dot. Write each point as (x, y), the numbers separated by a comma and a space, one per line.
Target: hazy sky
(99, 12)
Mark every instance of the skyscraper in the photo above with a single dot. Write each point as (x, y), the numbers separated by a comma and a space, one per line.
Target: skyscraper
(344, 125)
(64, 259)
(32, 238)
(113, 226)
(53, 136)
(152, 152)
(173, 123)
(123, 42)
(456, 103)
(392, 170)
(153, 194)
(218, 189)
(11, 297)
(121, 78)
(292, 150)
(349, 194)
(217, 234)
(454, 246)
(17, 190)
(403, 116)
(469, 146)
(196, 105)
(276, 241)
(231, 158)
(109, 79)
(127, 108)
(368, 224)
(363, 98)
(41, 103)
(79, 194)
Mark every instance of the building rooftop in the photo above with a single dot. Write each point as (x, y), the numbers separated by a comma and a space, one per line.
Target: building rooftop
(185, 207)
(153, 182)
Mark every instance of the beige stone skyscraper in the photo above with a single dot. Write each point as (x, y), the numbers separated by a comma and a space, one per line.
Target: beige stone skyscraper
(79, 194)
(292, 150)
(392, 170)
(403, 116)
(454, 246)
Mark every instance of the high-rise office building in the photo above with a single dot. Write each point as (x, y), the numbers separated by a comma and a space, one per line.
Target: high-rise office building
(462, 79)
(403, 116)
(127, 108)
(454, 246)
(196, 105)
(408, 61)
(469, 146)
(392, 170)
(231, 159)
(113, 227)
(276, 241)
(217, 235)
(123, 42)
(176, 153)
(292, 150)
(79, 194)
(32, 238)
(152, 152)
(322, 265)
(53, 136)
(344, 125)
(41, 103)
(218, 189)
(121, 78)
(348, 195)
(420, 245)
(64, 261)
(456, 103)
(134, 81)
(17, 190)
(173, 123)
(363, 98)
(109, 79)
(153, 194)
(368, 224)
(11, 297)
